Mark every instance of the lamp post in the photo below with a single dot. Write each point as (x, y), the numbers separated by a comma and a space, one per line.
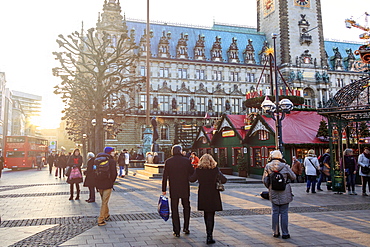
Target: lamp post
(283, 106)
(84, 155)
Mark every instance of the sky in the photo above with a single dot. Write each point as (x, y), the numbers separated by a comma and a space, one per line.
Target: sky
(29, 29)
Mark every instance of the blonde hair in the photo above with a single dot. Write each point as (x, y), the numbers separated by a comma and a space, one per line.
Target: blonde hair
(311, 153)
(347, 151)
(207, 162)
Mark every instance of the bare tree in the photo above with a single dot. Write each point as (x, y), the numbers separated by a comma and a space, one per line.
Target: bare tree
(97, 74)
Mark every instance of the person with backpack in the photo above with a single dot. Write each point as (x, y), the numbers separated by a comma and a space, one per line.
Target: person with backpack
(312, 168)
(275, 177)
(105, 176)
(324, 162)
(74, 173)
(90, 177)
(364, 163)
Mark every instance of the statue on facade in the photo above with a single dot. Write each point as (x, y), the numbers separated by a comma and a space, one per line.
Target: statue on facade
(210, 107)
(174, 104)
(192, 104)
(155, 146)
(155, 103)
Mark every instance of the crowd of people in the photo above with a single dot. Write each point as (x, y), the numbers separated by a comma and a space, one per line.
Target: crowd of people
(185, 167)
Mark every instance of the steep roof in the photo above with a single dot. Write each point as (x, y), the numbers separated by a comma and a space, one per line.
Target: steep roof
(225, 32)
(299, 127)
(238, 122)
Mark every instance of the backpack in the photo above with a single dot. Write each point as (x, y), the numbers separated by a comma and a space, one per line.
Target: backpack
(277, 181)
(101, 168)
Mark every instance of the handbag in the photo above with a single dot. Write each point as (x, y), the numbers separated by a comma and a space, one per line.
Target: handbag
(317, 170)
(163, 208)
(75, 173)
(219, 185)
(365, 169)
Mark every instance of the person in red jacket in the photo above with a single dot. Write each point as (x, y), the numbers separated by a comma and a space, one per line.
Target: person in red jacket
(194, 160)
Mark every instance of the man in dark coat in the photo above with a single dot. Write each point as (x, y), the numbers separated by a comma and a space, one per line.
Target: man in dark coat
(177, 170)
(105, 186)
(51, 159)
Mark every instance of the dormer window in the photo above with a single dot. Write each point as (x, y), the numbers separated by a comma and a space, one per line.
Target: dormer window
(182, 47)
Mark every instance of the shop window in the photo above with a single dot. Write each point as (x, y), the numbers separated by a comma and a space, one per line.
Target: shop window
(236, 154)
(263, 135)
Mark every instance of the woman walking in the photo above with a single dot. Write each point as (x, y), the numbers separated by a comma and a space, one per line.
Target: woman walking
(280, 199)
(61, 164)
(75, 163)
(364, 162)
(311, 164)
(209, 199)
(350, 168)
(90, 179)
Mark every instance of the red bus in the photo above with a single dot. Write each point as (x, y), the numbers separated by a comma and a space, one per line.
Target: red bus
(21, 151)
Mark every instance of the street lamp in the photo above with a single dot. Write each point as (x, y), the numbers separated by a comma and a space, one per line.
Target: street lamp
(283, 106)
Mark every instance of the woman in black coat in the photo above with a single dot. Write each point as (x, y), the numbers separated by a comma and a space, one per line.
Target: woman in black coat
(74, 161)
(209, 199)
(90, 177)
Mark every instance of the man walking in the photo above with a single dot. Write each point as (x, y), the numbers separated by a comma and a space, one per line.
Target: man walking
(121, 163)
(106, 174)
(177, 170)
(51, 159)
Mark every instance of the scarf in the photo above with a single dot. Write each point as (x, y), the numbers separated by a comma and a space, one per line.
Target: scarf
(367, 155)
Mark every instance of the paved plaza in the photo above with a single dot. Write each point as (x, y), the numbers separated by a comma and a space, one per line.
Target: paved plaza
(35, 211)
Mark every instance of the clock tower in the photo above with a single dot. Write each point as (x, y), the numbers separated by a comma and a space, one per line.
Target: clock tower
(300, 49)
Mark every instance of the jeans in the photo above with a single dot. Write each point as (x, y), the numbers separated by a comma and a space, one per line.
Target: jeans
(311, 180)
(365, 180)
(120, 170)
(104, 210)
(280, 214)
(175, 213)
(321, 178)
(351, 179)
(126, 169)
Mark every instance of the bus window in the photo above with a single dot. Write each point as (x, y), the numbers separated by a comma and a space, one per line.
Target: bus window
(15, 154)
(17, 139)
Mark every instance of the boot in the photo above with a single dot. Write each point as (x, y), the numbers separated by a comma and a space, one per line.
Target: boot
(71, 191)
(210, 240)
(78, 193)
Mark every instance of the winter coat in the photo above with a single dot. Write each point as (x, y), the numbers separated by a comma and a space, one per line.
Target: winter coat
(51, 159)
(177, 170)
(107, 183)
(297, 167)
(73, 162)
(62, 161)
(276, 196)
(209, 198)
(363, 162)
(350, 164)
(310, 169)
(90, 174)
(121, 159)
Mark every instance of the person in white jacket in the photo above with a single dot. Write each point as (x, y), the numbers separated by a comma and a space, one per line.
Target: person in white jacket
(364, 162)
(311, 164)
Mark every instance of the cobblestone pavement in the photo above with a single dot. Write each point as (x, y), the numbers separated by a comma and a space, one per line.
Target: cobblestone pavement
(35, 211)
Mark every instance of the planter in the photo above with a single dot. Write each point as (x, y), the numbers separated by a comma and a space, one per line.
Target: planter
(226, 170)
(243, 173)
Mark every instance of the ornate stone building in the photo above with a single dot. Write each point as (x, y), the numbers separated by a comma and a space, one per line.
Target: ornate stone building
(199, 70)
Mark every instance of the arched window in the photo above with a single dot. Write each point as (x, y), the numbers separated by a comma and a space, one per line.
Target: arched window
(164, 132)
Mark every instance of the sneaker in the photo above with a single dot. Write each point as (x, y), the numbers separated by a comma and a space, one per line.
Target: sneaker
(285, 236)
(354, 193)
(276, 235)
(350, 193)
(364, 194)
(102, 223)
(308, 190)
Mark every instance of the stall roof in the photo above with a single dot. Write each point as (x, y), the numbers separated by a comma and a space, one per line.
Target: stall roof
(238, 122)
(299, 127)
(208, 132)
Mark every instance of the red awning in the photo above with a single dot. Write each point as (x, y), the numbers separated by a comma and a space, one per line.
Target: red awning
(299, 127)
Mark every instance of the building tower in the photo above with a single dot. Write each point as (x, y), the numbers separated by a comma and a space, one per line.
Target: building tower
(300, 46)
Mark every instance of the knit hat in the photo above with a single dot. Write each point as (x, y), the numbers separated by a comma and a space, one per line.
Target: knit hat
(276, 154)
(108, 150)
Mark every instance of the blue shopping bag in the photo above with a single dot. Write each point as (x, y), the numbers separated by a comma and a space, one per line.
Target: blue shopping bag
(163, 208)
